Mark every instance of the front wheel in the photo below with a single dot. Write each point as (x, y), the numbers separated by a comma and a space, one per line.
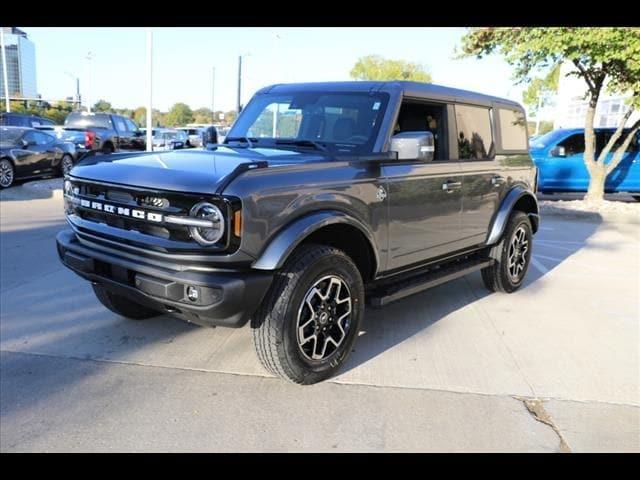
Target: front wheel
(308, 322)
(512, 256)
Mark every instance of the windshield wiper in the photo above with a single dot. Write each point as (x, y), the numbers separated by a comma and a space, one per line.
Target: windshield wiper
(247, 140)
(303, 143)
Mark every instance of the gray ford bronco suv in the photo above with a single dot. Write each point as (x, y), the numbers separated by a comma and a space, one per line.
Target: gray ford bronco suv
(322, 197)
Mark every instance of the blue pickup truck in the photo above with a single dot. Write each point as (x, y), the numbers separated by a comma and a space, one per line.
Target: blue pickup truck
(559, 156)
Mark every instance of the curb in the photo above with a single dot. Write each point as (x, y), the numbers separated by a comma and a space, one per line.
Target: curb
(609, 217)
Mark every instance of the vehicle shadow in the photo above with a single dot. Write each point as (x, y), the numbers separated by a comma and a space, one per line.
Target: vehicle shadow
(30, 189)
(52, 313)
(385, 328)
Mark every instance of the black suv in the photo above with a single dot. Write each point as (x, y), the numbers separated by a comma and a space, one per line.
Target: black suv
(323, 196)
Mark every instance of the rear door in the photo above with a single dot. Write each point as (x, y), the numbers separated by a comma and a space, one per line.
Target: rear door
(124, 136)
(138, 142)
(482, 180)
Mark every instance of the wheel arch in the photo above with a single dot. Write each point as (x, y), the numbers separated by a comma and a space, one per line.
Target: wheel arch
(519, 199)
(333, 228)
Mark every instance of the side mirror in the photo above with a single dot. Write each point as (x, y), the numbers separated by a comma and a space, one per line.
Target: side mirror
(558, 152)
(413, 146)
(210, 137)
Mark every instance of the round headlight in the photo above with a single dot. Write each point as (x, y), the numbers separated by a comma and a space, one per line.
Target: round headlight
(207, 235)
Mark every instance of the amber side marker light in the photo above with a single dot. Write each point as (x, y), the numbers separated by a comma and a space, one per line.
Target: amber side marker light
(237, 223)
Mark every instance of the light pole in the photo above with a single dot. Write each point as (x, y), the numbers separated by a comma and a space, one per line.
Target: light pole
(4, 71)
(213, 96)
(78, 98)
(149, 90)
(89, 57)
(239, 103)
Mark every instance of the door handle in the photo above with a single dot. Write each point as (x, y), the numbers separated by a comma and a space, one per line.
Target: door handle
(450, 186)
(497, 180)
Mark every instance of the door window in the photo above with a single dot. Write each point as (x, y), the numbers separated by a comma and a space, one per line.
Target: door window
(130, 125)
(121, 126)
(513, 129)
(573, 145)
(475, 140)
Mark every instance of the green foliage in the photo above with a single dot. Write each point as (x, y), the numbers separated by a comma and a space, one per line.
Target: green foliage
(179, 114)
(375, 67)
(540, 90)
(597, 53)
(101, 106)
(545, 127)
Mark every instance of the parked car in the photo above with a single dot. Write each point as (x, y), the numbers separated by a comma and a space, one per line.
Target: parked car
(110, 133)
(559, 156)
(23, 120)
(194, 135)
(169, 139)
(27, 152)
(81, 139)
(361, 191)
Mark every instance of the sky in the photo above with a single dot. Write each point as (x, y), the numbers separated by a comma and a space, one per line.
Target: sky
(184, 58)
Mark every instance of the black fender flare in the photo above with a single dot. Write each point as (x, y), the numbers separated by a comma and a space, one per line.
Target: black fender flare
(501, 217)
(288, 238)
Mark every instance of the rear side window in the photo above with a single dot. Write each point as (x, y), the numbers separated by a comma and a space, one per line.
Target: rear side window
(475, 140)
(513, 129)
(121, 126)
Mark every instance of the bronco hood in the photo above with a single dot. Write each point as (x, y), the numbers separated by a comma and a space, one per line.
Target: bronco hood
(194, 171)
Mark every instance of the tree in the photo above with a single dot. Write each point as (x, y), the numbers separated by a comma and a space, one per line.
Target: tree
(102, 106)
(600, 56)
(179, 114)
(375, 67)
(539, 93)
(203, 115)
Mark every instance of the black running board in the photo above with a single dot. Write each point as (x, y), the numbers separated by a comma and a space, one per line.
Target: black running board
(419, 283)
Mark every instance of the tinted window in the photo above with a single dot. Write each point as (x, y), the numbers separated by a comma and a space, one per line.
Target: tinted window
(43, 138)
(121, 126)
(83, 121)
(130, 125)
(474, 132)
(513, 129)
(574, 144)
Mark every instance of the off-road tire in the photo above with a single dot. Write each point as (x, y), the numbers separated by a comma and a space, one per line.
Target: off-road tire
(274, 324)
(121, 305)
(496, 277)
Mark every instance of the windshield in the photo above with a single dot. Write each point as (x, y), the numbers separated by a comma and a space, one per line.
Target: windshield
(9, 135)
(341, 122)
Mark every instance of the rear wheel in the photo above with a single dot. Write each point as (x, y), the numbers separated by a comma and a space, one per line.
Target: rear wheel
(7, 173)
(308, 322)
(512, 256)
(107, 148)
(122, 305)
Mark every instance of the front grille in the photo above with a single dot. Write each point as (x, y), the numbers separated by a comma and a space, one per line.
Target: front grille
(138, 210)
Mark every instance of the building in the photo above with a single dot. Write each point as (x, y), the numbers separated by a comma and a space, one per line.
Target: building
(21, 64)
(571, 104)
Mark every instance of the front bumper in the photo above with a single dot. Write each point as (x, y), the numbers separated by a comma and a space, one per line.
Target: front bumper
(225, 298)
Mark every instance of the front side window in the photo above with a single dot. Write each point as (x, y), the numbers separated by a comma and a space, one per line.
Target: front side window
(475, 140)
(341, 122)
(513, 129)
(573, 145)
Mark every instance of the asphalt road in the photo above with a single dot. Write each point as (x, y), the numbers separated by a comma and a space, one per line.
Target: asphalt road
(553, 367)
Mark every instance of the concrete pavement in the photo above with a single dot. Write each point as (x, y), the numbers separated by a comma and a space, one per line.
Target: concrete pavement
(450, 369)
